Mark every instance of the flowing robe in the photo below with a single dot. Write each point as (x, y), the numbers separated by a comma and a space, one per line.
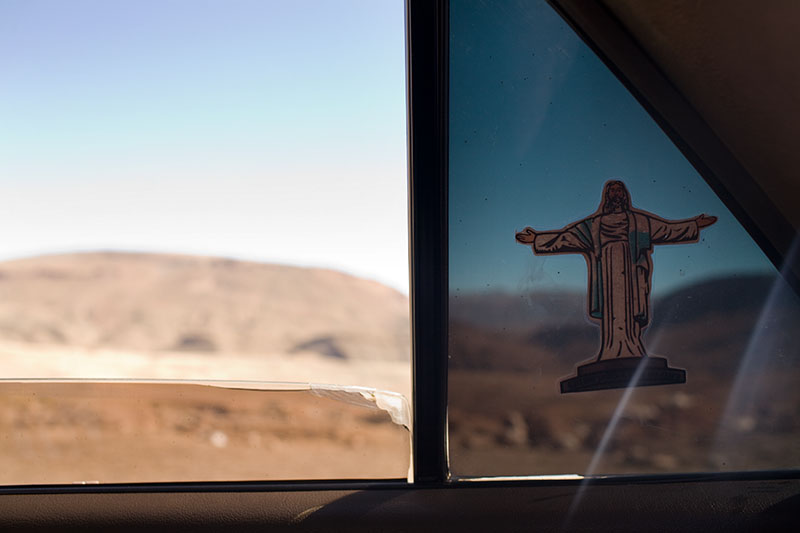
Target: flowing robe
(617, 248)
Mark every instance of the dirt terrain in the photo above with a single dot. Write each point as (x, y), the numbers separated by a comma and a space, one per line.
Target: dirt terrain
(737, 339)
(146, 316)
(112, 433)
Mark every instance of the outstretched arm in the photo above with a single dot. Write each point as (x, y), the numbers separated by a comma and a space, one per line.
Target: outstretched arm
(574, 238)
(677, 231)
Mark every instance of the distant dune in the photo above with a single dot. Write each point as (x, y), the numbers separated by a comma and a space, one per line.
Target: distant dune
(736, 337)
(172, 303)
(114, 315)
(708, 324)
(149, 316)
(717, 295)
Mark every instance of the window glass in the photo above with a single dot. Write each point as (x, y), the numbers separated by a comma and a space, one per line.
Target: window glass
(656, 284)
(202, 191)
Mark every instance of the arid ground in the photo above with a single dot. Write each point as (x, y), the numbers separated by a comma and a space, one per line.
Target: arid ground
(139, 316)
(737, 339)
(145, 316)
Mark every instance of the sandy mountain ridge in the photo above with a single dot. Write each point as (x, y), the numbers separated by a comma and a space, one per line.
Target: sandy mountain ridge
(708, 324)
(555, 308)
(736, 337)
(155, 302)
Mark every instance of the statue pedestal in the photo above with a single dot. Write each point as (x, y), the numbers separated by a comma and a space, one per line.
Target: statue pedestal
(618, 373)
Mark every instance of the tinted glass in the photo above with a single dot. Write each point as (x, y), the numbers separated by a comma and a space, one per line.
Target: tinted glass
(539, 128)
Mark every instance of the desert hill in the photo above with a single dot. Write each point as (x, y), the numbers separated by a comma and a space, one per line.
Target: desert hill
(716, 295)
(709, 323)
(736, 337)
(168, 317)
(172, 303)
(112, 315)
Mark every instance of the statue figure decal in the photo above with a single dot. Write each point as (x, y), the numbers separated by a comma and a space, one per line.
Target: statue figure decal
(617, 242)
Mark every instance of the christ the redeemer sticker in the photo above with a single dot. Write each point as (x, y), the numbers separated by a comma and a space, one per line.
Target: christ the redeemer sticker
(617, 242)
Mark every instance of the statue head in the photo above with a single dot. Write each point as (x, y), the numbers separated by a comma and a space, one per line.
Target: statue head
(615, 197)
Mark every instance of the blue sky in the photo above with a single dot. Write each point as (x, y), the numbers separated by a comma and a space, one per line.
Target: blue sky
(272, 131)
(537, 125)
(275, 131)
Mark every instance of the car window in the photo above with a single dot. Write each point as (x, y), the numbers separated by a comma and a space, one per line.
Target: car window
(203, 192)
(607, 312)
